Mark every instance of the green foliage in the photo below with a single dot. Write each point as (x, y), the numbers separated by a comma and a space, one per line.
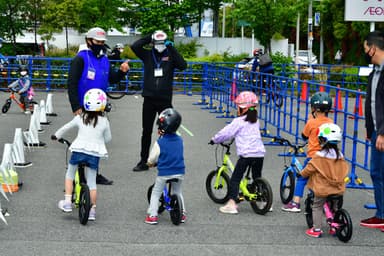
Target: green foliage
(188, 50)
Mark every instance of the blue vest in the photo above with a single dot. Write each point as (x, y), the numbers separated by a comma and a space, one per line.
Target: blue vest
(171, 158)
(99, 67)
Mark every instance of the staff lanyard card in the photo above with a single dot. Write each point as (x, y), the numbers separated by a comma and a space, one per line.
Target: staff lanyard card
(91, 74)
(158, 72)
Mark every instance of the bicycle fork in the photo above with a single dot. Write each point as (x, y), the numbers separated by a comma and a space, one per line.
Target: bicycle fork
(219, 179)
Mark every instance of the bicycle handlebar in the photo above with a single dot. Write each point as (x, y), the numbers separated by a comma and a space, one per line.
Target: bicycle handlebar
(285, 142)
(61, 140)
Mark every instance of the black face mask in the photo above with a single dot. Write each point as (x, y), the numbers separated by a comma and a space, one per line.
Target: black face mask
(367, 58)
(98, 50)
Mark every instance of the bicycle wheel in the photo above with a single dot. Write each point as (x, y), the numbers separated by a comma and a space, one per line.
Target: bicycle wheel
(344, 230)
(176, 210)
(219, 194)
(84, 204)
(287, 186)
(161, 199)
(116, 92)
(308, 210)
(264, 196)
(6, 106)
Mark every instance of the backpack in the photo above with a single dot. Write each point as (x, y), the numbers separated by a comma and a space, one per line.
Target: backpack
(265, 60)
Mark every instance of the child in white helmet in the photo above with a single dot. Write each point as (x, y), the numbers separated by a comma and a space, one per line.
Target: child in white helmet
(89, 145)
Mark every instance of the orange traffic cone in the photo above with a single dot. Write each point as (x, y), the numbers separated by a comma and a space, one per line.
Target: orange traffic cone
(304, 92)
(358, 110)
(321, 88)
(338, 105)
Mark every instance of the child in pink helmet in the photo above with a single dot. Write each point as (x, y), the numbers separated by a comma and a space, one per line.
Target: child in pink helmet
(245, 129)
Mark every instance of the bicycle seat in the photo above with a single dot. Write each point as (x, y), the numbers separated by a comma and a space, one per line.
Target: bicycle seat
(173, 180)
(334, 197)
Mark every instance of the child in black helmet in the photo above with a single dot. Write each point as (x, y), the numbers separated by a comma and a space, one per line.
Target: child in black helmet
(167, 153)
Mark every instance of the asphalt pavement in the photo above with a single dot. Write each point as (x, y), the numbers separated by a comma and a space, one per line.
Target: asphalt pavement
(37, 227)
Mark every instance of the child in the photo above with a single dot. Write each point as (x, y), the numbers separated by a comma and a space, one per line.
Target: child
(250, 148)
(89, 146)
(326, 172)
(167, 153)
(22, 86)
(321, 103)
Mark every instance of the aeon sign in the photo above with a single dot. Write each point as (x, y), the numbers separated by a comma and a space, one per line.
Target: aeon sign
(364, 10)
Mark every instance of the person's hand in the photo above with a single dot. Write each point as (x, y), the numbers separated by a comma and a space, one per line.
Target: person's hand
(78, 112)
(53, 137)
(168, 43)
(211, 142)
(124, 67)
(380, 143)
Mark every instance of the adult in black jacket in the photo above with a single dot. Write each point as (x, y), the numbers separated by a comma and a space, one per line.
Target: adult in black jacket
(160, 62)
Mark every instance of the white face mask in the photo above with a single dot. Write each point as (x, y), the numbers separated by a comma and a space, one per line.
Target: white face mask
(160, 47)
(23, 73)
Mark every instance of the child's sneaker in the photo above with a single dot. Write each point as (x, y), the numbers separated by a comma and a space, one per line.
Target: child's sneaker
(229, 209)
(183, 218)
(314, 232)
(332, 231)
(92, 214)
(151, 219)
(291, 207)
(65, 206)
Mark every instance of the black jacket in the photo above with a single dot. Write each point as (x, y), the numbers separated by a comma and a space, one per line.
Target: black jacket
(379, 105)
(169, 60)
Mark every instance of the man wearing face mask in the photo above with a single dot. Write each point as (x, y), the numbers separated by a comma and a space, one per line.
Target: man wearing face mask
(160, 62)
(91, 69)
(374, 123)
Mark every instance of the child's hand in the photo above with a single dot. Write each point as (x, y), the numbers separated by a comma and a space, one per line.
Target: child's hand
(211, 142)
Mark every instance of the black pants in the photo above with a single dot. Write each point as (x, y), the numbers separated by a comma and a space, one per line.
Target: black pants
(151, 107)
(256, 164)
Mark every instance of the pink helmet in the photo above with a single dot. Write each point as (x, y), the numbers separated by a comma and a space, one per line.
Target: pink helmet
(246, 99)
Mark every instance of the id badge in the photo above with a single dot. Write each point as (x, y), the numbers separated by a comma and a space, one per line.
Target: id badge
(91, 74)
(158, 72)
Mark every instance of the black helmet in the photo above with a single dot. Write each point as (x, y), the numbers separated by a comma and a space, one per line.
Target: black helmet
(169, 120)
(321, 101)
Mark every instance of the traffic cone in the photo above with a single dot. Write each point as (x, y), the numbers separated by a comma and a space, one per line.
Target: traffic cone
(338, 105)
(49, 106)
(304, 92)
(358, 110)
(18, 150)
(43, 114)
(321, 88)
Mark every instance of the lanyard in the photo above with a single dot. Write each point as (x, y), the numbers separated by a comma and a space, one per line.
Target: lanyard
(157, 63)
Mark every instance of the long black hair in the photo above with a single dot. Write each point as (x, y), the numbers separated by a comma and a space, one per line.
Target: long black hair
(328, 146)
(251, 114)
(90, 117)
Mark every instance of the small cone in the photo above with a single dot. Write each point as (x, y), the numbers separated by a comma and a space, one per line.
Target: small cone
(304, 92)
(43, 114)
(321, 88)
(18, 150)
(49, 106)
(358, 110)
(338, 104)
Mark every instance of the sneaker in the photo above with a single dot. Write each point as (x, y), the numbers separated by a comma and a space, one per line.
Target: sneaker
(92, 214)
(373, 222)
(271, 209)
(140, 167)
(27, 112)
(183, 218)
(291, 207)
(314, 232)
(229, 209)
(100, 179)
(65, 206)
(152, 220)
(332, 231)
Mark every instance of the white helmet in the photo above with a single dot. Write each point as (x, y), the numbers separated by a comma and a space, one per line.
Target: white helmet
(95, 100)
(97, 34)
(119, 46)
(159, 37)
(329, 133)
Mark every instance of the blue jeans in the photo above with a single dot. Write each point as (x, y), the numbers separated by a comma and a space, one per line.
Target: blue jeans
(377, 176)
(301, 182)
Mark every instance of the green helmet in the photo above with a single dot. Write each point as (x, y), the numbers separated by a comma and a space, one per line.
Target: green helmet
(321, 101)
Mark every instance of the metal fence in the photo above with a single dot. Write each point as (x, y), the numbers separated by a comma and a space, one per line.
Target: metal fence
(284, 97)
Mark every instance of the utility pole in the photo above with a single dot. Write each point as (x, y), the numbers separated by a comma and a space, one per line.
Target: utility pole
(310, 33)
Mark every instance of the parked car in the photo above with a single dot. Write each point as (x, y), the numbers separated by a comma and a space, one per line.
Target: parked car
(302, 58)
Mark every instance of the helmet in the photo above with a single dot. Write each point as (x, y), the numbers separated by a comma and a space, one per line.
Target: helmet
(246, 99)
(169, 120)
(95, 100)
(256, 51)
(119, 46)
(321, 101)
(97, 34)
(23, 70)
(159, 37)
(329, 133)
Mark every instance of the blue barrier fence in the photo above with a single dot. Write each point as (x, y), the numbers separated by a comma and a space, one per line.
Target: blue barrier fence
(284, 97)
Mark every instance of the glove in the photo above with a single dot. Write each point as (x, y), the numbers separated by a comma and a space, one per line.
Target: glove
(53, 137)
(168, 43)
(211, 142)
